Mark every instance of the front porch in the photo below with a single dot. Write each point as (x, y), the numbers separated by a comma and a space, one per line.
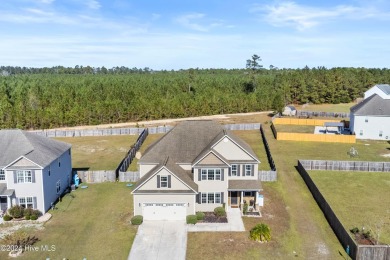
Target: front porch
(5, 198)
(245, 194)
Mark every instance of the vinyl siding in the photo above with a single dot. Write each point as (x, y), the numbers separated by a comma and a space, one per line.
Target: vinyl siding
(231, 151)
(176, 184)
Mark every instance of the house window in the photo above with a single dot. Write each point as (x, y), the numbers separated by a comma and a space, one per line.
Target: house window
(361, 132)
(59, 162)
(366, 120)
(49, 170)
(247, 193)
(164, 181)
(248, 169)
(26, 202)
(380, 133)
(58, 186)
(2, 175)
(24, 176)
(211, 197)
(211, 174)
(234, 169)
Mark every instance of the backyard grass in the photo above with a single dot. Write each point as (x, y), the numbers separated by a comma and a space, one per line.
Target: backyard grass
(99, 152)
(151, 138)
(359, 199)
(308, 129)
(95, 224)
(344, 107)
(253, 138)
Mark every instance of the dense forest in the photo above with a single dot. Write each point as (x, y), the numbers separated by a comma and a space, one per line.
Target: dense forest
(33, 98)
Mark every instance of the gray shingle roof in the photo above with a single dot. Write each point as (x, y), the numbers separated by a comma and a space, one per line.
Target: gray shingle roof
(244, 185)
(385, 88)
(41, 150)
(183, 143)
(4, 191)
(372, 106)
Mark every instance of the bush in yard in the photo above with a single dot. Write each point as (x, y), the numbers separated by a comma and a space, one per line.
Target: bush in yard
(33, 217)
(35, 214)
(19, 239)
(27, 213)
(354, 230)
(261, 232)
(200, 215)
(220, 211)
(245, 209)
(7, 218)
(16, 211)
(192, 219)
(137, 220)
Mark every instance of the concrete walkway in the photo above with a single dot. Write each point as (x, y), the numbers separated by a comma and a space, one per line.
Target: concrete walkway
(164, 240)
(234, 224)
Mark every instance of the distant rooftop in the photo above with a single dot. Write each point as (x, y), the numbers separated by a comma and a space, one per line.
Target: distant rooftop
(385, 88)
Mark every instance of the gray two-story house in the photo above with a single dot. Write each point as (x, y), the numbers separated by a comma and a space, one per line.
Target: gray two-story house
(197, 166)
(34, 170)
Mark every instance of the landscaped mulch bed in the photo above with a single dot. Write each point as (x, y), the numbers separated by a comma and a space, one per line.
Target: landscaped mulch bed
(362, 240)
(211, 218)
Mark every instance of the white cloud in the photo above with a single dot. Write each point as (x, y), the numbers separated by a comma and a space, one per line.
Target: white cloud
(188, 21)
(93, 4)
(302, 17)
(45, 1)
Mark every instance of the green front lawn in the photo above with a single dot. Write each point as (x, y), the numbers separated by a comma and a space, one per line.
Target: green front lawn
(99, 152)
(359, 199)
(93, 223)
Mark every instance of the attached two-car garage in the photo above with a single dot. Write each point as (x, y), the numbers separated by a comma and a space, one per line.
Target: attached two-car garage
(164, 211)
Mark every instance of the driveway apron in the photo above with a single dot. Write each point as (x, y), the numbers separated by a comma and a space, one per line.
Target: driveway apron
(160, 240)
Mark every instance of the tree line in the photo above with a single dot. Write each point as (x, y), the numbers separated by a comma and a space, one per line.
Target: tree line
(36, 98)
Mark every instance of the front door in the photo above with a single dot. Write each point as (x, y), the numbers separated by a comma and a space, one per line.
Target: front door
(233, 197)
(3, 203)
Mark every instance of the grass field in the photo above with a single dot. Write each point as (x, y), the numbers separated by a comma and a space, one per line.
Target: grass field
(308, 129)
(95, 224)
(327, 107)
(359, 199)
(99, 152)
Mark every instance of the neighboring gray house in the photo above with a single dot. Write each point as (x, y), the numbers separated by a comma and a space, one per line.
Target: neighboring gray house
(197, 166)
(34, 170)
(370, 119)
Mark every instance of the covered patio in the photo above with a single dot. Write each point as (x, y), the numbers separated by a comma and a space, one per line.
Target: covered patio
(241, 192)
(5, 197)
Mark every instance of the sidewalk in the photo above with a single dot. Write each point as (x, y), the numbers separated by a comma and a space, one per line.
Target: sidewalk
(234, 224)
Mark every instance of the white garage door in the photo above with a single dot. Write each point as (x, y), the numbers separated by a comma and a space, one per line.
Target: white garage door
(164, 211)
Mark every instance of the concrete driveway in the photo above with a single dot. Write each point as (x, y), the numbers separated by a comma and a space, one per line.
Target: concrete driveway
(163, 240)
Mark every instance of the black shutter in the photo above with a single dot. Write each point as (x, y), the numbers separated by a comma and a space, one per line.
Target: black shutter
(15, 177)
(33, 176)
(222, 198)
(169, 181)
(199, 197)
(158, 181)
(199, 175)
(35, 206)
(222, 174)
(230, 171)
(238, 169)
(252, 170)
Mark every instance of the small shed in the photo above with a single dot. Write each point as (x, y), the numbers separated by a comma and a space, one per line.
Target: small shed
(338, 125)
(289, 110)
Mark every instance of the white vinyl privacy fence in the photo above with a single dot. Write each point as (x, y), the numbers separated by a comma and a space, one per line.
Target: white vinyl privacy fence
(362, 166)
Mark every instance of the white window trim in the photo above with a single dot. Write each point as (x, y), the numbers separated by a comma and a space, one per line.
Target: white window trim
(205, 196)
(234, 172)
(26, 204)
(22, 174)
(2, 175)
(216, 174)
(246, 171)
(163, 184)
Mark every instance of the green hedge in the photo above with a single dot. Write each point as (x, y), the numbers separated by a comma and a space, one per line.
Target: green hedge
(137, 220)
(192, 219)
(220, 211)
(200, 215)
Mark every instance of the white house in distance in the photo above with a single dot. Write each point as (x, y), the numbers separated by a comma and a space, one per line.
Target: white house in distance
(197, 166)
(34, 170)
(370, 119)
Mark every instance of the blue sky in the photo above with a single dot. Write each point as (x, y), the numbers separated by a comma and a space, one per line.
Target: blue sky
(189, 34)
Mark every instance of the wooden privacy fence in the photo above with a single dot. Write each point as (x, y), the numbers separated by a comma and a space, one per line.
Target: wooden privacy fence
(267, 176)
(107, 176)
(124, 164)
(300, 121)
(328, 138)
(321, 114)
(359, 252)
(361, 166)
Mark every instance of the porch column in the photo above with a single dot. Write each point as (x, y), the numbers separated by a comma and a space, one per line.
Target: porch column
(257, 195)
(242, 197)
(8, 202)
